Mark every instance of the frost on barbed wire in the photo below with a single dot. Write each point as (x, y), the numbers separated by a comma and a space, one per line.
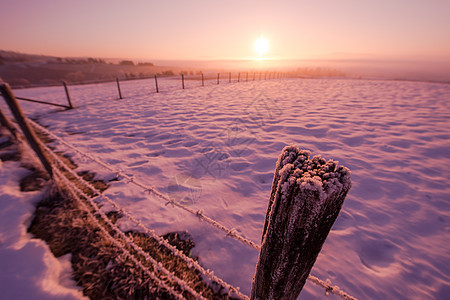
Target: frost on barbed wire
(207, 275)
(74, 191)
(306, 197)
(293, 156)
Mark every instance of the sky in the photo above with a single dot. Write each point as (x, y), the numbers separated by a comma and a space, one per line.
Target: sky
(210, 30)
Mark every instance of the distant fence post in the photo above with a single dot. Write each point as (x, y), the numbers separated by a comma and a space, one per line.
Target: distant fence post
(26, 129)
(254, 76)
(229, 77)
(156, 84)
(239, 76)
(182, 80)
(203, 80)
(306, 197)
(218, 78)
(67, 94)
(246, 77)
(118, 87)
(6, 123)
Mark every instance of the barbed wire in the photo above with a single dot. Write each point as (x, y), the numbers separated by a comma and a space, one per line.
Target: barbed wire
(73, 190)
(189, 261)
(157, 265)
(199, 213)
(132, 180)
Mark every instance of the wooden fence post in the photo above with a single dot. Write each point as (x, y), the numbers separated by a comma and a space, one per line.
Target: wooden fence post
(218, 78)
(118, 87)
(239, 76)
(203, 80)
(67, 94)
(306, 197)
(156, 84)
(229, 77)
(26, 129)
(246, 77)
(6, 123)
(182, 80)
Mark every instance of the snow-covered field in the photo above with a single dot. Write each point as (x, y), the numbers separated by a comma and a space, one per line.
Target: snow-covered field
(28, 270)
(214, 148)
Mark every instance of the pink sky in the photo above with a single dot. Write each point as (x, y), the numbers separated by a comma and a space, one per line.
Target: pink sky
(410, 29)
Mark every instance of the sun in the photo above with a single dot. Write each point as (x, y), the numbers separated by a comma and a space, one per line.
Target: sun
(261, 46)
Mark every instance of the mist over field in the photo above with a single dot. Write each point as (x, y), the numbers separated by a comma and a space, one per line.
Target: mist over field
(25, 70)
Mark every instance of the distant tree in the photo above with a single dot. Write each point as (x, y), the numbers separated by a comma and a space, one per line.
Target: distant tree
(95, 61)
(145, 64)
(76, 61)
(126, 63)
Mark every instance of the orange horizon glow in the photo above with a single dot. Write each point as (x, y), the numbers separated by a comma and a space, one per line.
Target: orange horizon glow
(205, 30)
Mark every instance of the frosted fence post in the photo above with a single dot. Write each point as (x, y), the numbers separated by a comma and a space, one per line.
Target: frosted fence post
(203, 80)
(6, 123)
(229, 77)
(306, 197)
(118, 87)
(156, 84)
(182, 80)
(218, 78)
(26, 129)
(67, 94)
(239, 76)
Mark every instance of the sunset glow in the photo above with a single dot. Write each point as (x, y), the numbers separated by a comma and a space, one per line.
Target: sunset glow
(205, 30)
(261, 46)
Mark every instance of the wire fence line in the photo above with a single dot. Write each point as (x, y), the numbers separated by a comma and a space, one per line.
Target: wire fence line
(132, 180)
(163, 242)
(77, 192)
(166, 83)
(74, 193)
(199, 213)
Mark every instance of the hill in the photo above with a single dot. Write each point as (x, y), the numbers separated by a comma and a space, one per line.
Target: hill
(25, 70)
